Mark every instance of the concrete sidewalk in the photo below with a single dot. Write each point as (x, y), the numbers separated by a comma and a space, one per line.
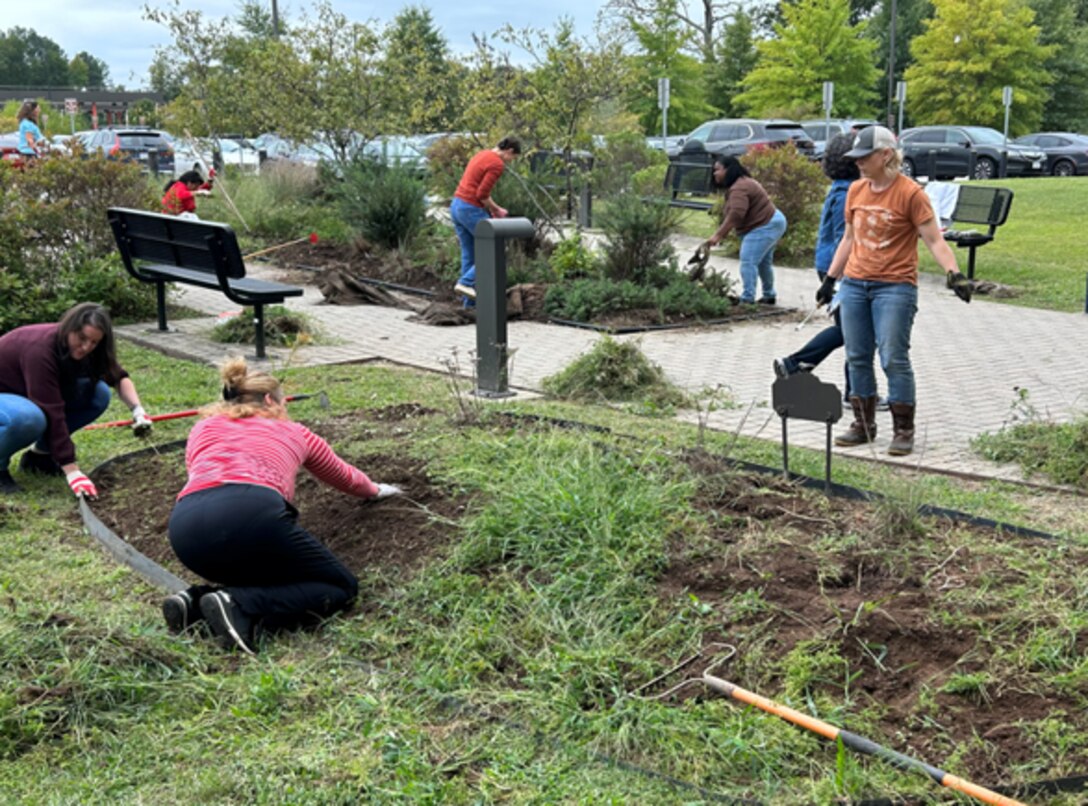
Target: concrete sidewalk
(969, 360)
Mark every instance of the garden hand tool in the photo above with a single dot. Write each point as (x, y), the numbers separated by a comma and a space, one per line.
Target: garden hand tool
(697, 263)
(808, 316)
(322, 400)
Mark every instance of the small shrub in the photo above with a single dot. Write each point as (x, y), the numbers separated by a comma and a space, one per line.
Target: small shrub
(637, 237)
(797, 186)
(571, 258)
(589, 299)
(623, 157)
(282, 327)
(614, 371)
(649, 181)
(385, 204)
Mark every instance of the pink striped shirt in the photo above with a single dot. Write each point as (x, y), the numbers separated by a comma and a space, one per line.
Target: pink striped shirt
(267, 452)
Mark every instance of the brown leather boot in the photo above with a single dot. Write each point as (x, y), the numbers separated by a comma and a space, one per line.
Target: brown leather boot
(903, 423)
(863, 429)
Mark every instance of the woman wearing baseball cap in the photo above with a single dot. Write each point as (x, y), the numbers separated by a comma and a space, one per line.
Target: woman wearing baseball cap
(877, 258)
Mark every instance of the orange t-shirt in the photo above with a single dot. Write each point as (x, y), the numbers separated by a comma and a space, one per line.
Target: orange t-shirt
(481, 174)
(885, 227)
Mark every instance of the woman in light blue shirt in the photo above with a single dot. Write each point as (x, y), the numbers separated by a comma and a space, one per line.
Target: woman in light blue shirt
(29, 133)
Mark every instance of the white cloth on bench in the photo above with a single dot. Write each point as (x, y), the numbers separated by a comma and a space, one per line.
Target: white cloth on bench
(943, 196)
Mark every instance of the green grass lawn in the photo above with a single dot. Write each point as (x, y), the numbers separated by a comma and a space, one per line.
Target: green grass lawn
(496, 673)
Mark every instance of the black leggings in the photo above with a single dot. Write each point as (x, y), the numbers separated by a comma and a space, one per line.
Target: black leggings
(246, 538)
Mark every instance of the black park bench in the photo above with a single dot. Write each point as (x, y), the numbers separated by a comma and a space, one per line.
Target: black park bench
(165, 249)
(985, 206)
(689, 178)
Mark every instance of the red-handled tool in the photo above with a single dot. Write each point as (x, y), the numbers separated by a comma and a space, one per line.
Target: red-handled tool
(322, 398)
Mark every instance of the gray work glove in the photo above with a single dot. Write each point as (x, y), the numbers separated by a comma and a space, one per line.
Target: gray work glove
(960, 285)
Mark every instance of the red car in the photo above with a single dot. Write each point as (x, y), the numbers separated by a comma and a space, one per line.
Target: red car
(9, 147)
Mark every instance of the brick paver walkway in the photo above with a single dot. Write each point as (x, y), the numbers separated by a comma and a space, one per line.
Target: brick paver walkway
(968, 360)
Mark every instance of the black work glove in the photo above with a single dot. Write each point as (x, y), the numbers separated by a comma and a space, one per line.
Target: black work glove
(826, 291)
(960, 284)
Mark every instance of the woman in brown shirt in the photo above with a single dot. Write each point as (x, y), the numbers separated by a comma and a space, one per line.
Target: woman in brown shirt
(759, 225)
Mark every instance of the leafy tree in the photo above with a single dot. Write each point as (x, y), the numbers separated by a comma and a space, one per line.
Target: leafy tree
(815, 44)
(969, 51)
(421, 72)
(735, 58)
(27, 58)
(84, 70)
(699, 20)
(1068, 65)
(909, 23)
(661, 42)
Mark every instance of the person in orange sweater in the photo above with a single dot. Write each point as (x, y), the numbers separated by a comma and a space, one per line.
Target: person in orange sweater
(178, 198)
(472, 203)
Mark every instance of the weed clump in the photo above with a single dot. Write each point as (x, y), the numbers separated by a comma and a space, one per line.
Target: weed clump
(282, 327)
(615, 372)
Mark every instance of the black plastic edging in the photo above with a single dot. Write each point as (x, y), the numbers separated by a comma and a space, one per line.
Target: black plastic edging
(117, 547)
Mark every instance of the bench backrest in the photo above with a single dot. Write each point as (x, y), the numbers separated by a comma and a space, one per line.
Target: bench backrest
(982, 205)
(688, 177)
(167, 240)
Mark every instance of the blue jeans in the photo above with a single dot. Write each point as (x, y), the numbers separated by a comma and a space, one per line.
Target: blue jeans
(23, 424)
(757, 257)
(465, 218)
(878, 317)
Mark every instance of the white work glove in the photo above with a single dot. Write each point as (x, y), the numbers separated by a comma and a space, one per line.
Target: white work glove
(388, 490)
(141, 423)
(82, 486)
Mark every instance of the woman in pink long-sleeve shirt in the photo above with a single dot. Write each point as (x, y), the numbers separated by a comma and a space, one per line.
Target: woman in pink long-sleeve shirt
(235, 524)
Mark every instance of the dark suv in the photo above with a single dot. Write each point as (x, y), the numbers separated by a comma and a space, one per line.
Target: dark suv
(973, 151)
(732, 138)
(149, 148)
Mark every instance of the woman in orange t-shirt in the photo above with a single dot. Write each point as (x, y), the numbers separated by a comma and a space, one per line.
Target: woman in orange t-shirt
(886, 213)
(472, 203)
(179, 198)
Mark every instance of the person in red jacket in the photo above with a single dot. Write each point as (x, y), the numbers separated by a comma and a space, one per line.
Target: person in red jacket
(472, 203)
(179, 198)
(234, 523)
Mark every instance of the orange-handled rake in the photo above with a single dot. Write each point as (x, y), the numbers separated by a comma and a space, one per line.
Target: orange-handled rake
(811, 723)
(322, 399)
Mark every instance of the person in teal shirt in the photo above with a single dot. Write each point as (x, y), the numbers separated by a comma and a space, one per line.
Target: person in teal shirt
(30, 136)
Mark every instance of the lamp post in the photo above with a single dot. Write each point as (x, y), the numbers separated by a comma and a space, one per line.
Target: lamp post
(275, 21)
(891, 64)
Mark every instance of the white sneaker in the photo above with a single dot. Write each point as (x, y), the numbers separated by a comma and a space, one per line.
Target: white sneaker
(465, 290)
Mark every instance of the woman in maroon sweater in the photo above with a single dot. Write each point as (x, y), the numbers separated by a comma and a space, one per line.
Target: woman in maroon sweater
(54, 380)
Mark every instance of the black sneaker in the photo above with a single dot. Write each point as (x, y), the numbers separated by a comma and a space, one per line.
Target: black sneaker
(180, 612)
(768, 300)
(7, 483)
(781, 369)
(232, 627)
(41, 463)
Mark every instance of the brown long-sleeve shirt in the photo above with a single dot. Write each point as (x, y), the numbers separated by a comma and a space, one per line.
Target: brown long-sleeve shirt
(746, 207)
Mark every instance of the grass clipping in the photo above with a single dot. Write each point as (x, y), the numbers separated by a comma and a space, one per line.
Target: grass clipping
(615, 372)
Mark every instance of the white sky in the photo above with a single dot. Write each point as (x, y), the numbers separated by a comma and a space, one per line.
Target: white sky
(115, 31)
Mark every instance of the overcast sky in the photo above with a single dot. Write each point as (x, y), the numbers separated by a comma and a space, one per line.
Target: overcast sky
(114, 30)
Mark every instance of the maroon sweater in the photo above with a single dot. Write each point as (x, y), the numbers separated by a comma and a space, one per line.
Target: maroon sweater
(35, 365)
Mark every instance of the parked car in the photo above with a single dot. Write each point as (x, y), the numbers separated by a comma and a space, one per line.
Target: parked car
(1066, 152)
(9, 146)
(672, 142)
(954, 147)
(148, 147)
(732, 138)
(239, 154)
(823, 130)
